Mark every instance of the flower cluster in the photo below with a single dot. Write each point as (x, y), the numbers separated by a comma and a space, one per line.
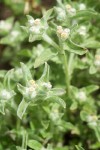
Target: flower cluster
(70, 10)
(63, 33)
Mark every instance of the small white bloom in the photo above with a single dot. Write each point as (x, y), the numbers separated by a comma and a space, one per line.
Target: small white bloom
(82, 30)
(70, 9)
(81, 95)
(37, 21)
(30, 92)
(31, 22)
(47, 85)
(97, 60)
(97, 63)
(5, 94)
(34, 29)
(63, 33)
(82, 6)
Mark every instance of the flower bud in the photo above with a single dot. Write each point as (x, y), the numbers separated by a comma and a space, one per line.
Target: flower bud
(82, 30)
(47, 85)
(82, 6)
(5, 95)
(97, 60)
(63, 33)
(70, 9)
(81, 96)
(37, 22)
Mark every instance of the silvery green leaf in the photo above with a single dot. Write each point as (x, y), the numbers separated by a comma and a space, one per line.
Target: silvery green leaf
(58, 91)
(34, 37)
(21, 88)
(56, 99)
(50, 41)
(74, 48)
(74, 105)
(91, 43)
(34, 145)
(79, 148)
(84, 115)
(22, 108)
(85, 13)
(19, 148)
(2, 107)
(91, 88)
(29, 17)
(45, 75)
(44, 57)
(92, 69)
(47, 15)
(26, 72)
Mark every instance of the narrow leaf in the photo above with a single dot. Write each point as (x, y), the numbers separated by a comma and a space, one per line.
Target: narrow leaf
(44, 57)
(34, 145)
(74, 48)
(22, 108)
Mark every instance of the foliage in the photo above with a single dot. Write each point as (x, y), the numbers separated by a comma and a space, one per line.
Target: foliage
(49, 84)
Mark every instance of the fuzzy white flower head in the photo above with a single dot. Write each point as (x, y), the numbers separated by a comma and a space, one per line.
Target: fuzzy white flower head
(70, 9)
(81, 95)
(54, 115)
(63, 33)
(5, 94)
(30, 92)
(31, 22)
(97, 60)
(47, 85)
(82, 30)
(37, 22)
(34, 29)
(82, 6)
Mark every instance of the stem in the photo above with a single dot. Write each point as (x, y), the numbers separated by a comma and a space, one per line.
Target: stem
(66, 69)
(49, 40)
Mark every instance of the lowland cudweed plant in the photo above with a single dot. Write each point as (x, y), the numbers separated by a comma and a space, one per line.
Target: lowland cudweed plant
(47, 108)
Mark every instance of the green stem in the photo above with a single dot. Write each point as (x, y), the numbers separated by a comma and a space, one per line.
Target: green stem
(49, 40)
(66, 69)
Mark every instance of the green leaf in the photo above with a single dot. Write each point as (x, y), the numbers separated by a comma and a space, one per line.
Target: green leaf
(91, 88)
(45, 75)
(44, 57)
(97, 132)
(74, 48)
(83, 115)
(85, 13)
(91, 43)
(79, 148)
(92, 69)
(47, 15)
(50, 41)
(57, 100)
(19, 148)
(26, 72)
(29, 17)
(74, 105)
(34, 145)
(22, 108)
(2, 107)
(34, 37)
(58, 91)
